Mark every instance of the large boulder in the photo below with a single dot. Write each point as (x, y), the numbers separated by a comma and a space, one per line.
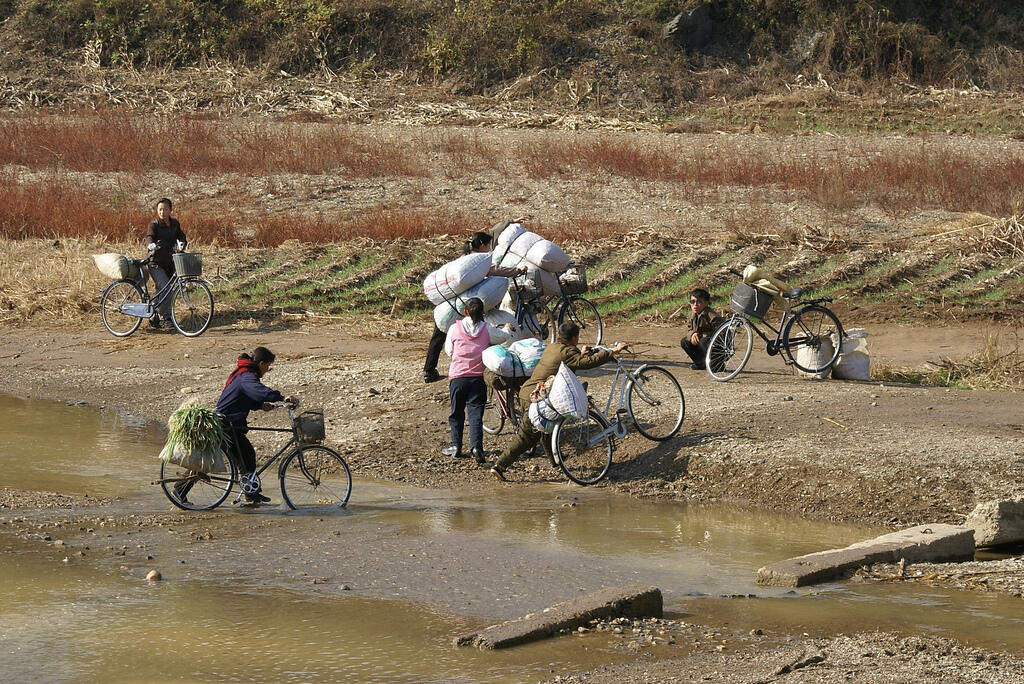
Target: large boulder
(691, 29)
(997, 522)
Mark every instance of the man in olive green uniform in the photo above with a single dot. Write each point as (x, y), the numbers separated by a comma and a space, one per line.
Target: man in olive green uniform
(563, 350)
(703, 323)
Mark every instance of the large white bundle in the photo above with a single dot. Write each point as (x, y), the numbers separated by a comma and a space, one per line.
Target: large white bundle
(505, 323)
(548, 256)
(490, 291)
(529, 352)
(114, 266)
(456, 277)
(539, 416)
(813, 357)
(211, 461)
(506, 236)
(853, 363)
(518, 249)
(566, 394)
(503, 362)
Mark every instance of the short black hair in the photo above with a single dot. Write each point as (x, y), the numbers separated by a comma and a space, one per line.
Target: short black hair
(701, 294)
(568, 330)
(261, 354)
(164, 200)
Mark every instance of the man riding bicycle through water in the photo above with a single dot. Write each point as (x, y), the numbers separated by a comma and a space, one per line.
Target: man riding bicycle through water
(244, 392)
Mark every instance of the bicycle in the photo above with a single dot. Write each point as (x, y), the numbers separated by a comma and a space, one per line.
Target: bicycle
(126, 302)
(649, 395)
(503, 406)
(311, 475)
(806, 323)
(542, 316)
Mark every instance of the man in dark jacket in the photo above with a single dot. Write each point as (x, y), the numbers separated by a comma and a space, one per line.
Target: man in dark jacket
(563, 350)
(163, 236)
(703, 323)
(244, 392)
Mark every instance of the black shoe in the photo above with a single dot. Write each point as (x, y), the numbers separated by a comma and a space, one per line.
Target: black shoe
(697, 366)
(155, 323)
(431, 376)
(257, 498)
(452, 451)
(498, 473)
(478, 456)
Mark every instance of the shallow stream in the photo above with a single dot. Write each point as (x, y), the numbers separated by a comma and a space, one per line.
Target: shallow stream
(423, 565)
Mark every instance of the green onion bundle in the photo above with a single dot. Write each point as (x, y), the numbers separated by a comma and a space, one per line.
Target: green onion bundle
(195, 439)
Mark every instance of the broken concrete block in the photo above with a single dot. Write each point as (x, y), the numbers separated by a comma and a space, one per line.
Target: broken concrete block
(606, 603)
(934, 543)
(997, 522)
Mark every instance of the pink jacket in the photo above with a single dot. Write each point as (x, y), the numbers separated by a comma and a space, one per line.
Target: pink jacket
(466, 348)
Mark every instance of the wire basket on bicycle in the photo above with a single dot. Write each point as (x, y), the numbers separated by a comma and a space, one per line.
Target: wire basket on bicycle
(188, 264)
(309, 427)
(750, 301)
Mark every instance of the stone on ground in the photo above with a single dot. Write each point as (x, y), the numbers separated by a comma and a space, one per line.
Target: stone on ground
(997, 522)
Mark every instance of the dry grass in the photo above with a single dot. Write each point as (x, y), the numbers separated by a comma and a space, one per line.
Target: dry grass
(992, 367)
(55, 280)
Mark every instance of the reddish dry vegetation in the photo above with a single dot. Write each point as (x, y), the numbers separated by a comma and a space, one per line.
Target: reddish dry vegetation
(43, 193)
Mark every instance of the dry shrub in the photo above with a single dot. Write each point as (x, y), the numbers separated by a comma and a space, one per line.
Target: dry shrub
(998, 237)
(990, 368)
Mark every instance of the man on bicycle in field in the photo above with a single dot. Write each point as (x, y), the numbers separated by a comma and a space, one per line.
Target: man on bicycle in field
(564, 350)
(703, 323)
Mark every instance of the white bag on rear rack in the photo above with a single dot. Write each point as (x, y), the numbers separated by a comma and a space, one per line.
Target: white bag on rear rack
(548, 256)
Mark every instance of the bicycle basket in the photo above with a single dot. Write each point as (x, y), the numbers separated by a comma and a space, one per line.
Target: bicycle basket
(574, 281)
(188, 264)
(750, 301)
(309, 426)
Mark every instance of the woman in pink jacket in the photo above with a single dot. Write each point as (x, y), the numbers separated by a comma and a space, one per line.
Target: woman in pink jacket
(465, 344)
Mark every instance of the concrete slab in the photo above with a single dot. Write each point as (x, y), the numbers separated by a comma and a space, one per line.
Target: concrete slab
(607, 603)
(935, 543)
(997, 522)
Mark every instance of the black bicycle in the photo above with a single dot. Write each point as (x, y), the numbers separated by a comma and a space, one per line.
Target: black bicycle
(312, 476)
(808, 335)
(126, 302)
(542, 315)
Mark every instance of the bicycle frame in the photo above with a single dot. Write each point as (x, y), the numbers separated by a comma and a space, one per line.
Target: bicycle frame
(145, 310)
(620, 381)
(773, 346)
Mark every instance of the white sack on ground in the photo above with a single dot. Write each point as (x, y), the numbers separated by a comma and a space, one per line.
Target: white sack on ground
(854, 362)
(813, 357)
(548, 256)
(456, 277)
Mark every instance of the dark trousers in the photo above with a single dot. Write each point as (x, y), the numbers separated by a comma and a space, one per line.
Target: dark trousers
(434, 350)
(239, 448)
(161, 278)
(468, 396)
(696, 352)
(526, 438)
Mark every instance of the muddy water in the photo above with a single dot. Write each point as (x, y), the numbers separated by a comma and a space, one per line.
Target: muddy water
(86, 620)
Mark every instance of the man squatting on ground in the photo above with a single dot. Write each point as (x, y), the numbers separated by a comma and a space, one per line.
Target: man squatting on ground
(482, 243)
(703, 324)
(563, 350)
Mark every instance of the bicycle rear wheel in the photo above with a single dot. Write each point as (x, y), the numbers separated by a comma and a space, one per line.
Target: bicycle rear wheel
(192, 491)
(582, 452)
(810, 328)
(729, 349)
(115, 296)
(315, 477)
(583, 313)
(494, 419)
(192, 308)
(655, 402)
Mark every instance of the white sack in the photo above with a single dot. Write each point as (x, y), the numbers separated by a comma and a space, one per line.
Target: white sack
(503, 362)
(505, 238)
(520, 247)
(812, 357)
(112, 265)
(528, 351)
(212, 461)
(456, 277)
(538, 419)
(489, 291)
(854, 362)
(548, 256)
(566, 394)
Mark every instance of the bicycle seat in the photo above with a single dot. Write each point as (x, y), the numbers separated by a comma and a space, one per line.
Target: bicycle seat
(794, 293)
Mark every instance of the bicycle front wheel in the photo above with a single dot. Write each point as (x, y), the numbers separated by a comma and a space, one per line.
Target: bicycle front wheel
(583, 453)
(192, 491)
(494, 419)
(315, 477)
(655, 402)
(810, 331)
(115, 297)
(192, 309)
(729, 349)
(583, 313)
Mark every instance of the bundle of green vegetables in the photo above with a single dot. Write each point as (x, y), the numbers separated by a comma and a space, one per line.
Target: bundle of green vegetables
(195, 439)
